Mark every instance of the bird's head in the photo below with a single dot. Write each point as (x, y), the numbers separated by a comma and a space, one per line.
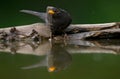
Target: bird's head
(56, 12)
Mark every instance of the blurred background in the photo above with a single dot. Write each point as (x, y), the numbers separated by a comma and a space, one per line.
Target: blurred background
(82, 11)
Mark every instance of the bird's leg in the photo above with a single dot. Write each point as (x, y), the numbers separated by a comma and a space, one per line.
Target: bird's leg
(51, 37)
(65, 37)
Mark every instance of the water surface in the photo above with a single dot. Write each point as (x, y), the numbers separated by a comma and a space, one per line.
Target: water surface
(84, 59)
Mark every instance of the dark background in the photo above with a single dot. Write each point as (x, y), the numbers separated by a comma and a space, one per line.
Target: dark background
(82, 11)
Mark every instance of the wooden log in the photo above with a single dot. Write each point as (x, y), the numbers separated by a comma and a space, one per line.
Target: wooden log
(101, 34)
(94, 27)
(41, 28)
(74, 31)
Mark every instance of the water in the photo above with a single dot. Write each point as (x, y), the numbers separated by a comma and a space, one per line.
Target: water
(71, 60)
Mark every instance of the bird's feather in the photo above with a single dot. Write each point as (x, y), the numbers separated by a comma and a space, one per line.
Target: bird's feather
(41, 15)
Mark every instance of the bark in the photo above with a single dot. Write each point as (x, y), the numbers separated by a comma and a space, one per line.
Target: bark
(27, 29)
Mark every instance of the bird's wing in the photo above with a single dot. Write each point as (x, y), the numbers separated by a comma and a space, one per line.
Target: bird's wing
(41, 15)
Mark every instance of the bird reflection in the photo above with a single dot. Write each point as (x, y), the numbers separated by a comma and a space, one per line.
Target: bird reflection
(56, 60)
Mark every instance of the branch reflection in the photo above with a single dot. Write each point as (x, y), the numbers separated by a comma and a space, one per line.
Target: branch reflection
(58, 54)
(56, 60)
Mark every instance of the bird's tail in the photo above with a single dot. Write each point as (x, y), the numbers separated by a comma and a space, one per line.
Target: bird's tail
(42, 15)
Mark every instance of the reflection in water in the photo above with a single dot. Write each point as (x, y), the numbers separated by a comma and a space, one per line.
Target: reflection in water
(56, 60)
(58, 56)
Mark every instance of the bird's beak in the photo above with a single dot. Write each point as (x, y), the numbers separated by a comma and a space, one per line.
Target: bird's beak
(51, 69)
(51, 12)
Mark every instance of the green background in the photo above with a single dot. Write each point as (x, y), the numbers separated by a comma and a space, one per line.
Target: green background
(82, 11)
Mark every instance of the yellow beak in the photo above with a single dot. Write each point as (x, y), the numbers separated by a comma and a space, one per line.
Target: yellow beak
(51, 12)
(51, 69)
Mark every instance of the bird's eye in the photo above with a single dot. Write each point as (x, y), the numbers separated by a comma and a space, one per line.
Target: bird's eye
(56, 10)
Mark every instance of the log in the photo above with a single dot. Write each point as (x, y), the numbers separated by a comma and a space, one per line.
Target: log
(93, 27)
(108, 33)
(27, 29)
(74, 31)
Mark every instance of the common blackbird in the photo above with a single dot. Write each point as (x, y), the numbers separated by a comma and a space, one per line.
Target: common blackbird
(58, 19)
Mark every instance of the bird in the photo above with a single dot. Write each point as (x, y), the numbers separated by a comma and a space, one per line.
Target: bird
(56, 18)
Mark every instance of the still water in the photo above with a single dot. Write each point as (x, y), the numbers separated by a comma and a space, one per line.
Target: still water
(73, 59)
